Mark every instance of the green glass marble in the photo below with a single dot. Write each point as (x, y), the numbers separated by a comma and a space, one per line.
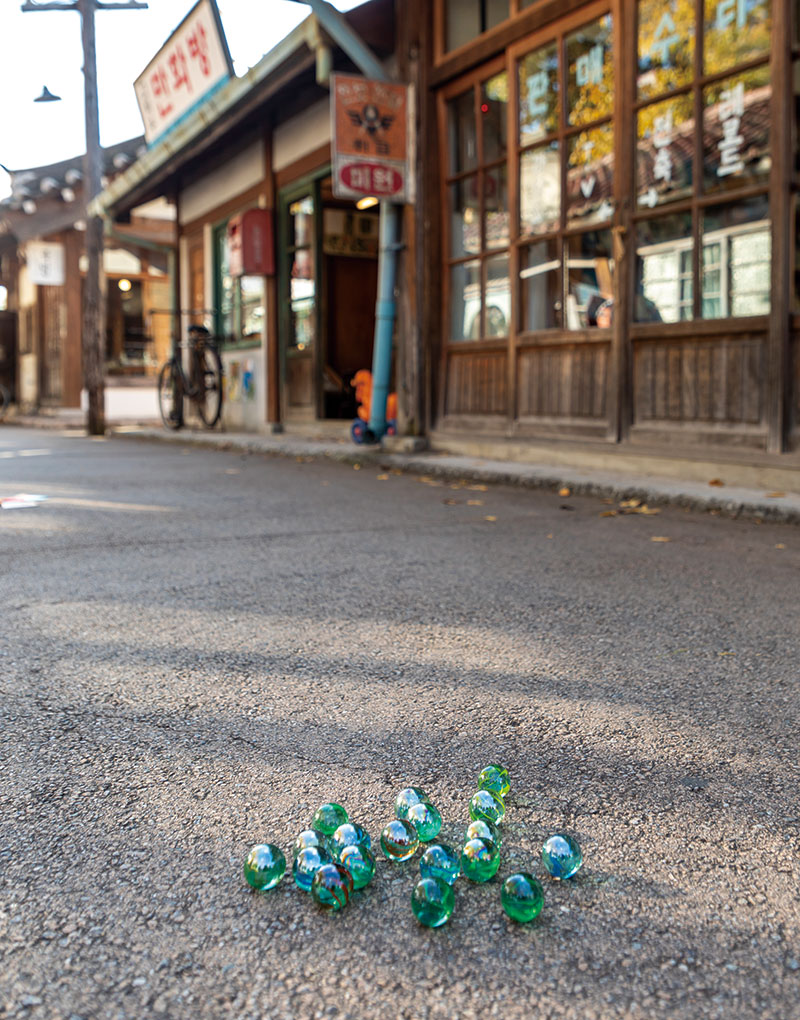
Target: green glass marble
(307, 863)
(306, 839)
(328, 818)
(482, 829)
(522, 896)
(332, 887)
(348, 834)
(561, 856)
(440, 861)
(264, 866)
(399, 840)
(360, 863)
(480, 860)
(407, 798)
(432, 901)
(426, 820)
(487, 805)
(494, 778)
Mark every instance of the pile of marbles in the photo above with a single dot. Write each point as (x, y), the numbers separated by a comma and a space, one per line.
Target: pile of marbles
(333, 858)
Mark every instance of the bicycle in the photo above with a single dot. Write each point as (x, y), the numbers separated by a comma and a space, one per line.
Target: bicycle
(202, 385)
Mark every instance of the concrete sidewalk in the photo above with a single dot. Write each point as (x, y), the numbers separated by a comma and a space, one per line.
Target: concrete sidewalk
(754, 485)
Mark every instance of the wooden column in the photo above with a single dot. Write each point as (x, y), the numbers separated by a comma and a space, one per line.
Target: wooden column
(781, 208)
(272, 363)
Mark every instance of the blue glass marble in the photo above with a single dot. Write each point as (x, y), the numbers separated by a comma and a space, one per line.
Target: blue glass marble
(487, 805)
(440, 861)
(432, 901)
(264, 866)
(360, 863)
(308, 838)
(561, 856)
(328, 818)
(348, 834)
(332, 887)
(407, 798)
(480, 860)
(494, 778)
(399, 840)
(426, 820)
(483, 829)
(307, 863)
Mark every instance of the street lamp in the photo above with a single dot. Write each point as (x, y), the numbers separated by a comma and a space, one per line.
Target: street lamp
(93, 362)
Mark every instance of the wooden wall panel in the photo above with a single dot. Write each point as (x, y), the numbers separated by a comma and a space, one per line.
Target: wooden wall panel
(565, 382)
(477, 383)
(695, 381)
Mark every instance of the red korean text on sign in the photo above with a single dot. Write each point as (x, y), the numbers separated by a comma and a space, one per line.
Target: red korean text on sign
(160, 85)
(372, 178)
(198, 49)
(179, 69)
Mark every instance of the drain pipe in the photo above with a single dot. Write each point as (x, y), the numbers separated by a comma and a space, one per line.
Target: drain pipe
(385, 309)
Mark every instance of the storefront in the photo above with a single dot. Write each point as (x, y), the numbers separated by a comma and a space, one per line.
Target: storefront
(615, 193)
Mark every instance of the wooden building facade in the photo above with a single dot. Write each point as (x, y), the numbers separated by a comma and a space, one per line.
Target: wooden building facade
(611, 220)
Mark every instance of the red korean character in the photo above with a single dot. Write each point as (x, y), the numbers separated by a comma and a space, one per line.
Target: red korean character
(160, 87)
(198, 49)
(180, 69)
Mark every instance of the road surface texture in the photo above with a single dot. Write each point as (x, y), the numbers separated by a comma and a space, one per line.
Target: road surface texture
(199, 647)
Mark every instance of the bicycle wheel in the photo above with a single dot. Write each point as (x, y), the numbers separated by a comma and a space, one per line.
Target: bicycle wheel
(170, 395)
(209, 384)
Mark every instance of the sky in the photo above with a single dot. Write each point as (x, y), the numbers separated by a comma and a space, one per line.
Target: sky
(44, 48)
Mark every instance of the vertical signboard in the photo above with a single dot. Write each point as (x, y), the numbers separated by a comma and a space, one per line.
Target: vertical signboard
(45, 261)
(371, 128)
(191, 64)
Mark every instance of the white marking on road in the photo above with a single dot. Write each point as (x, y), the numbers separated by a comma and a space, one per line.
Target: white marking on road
(34, 453)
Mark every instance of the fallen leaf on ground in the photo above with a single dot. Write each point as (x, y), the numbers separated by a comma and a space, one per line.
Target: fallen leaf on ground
(550, 535)
(726, 653)
(608, 513)
(716, 481)
(630, 504)
(490, 517)
(775, 495)
(608, 502)
(564, 491)
(425, 479)
(474, 502)
(660, 538)
(450, 502)
(648, 511)
(780, 545)
(356, 467)
(478, 488)
(396, 471)
(382, 478)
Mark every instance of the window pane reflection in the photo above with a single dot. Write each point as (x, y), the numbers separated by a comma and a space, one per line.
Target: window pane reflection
(498, 296)
(736, 128)
(540, 286)
(540, 189)
(538, 94)
(590, 177)
(590, 270)
(736, 259)
(735, 31)
(301, 300)
(301, 222)
(666, 46)
(590, 88)
(664, 269)
(465, 225)
(465, 301)
(665, 151)
(494, 119)
(462, 137)
(496, 206)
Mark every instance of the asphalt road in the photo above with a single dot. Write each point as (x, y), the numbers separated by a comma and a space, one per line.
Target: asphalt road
(197, 648)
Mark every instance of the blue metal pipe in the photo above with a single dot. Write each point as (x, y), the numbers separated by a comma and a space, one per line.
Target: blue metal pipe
(384, 321)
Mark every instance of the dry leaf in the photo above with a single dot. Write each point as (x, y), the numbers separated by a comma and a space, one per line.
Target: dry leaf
(550, 535)
(608, 502)
(609, 513)
(648, 511)
(726, 653)
(564, 491)
(450, 502)
(780, 545)
(775, 495)
(716, 481)
(490, 517)
(660, 538)
(356, 467)
(474, 502)
(382, 478)
(630, 504)
(425, 479)
(396, 471)
(478, 488)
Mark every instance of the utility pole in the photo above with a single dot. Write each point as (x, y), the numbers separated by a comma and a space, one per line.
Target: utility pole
(93, 304)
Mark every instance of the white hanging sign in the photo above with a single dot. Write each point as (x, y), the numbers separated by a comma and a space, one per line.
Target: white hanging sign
(45, 261)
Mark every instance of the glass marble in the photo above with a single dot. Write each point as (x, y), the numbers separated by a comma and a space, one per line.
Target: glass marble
(480, 860)
(440, 861)
(328, 818)
(307, 863)
(432, 901)
(522, 896)
(348, 834)
(426, 820)
(407, 798)
(308, 838)
(487, 805)
(264, 866)
(332, 887)
(360, 863)
(561, 855)
(494, 778)
(482, 829)
(399, 840)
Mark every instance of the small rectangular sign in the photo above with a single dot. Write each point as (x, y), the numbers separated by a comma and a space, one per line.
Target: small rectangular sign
(193, 62)
(371, 138)
(45, 261)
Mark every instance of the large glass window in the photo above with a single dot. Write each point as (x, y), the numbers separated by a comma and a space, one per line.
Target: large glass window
(302, 275)
(477, 196)
(239, 300)
(465, 20)
(694, 260)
